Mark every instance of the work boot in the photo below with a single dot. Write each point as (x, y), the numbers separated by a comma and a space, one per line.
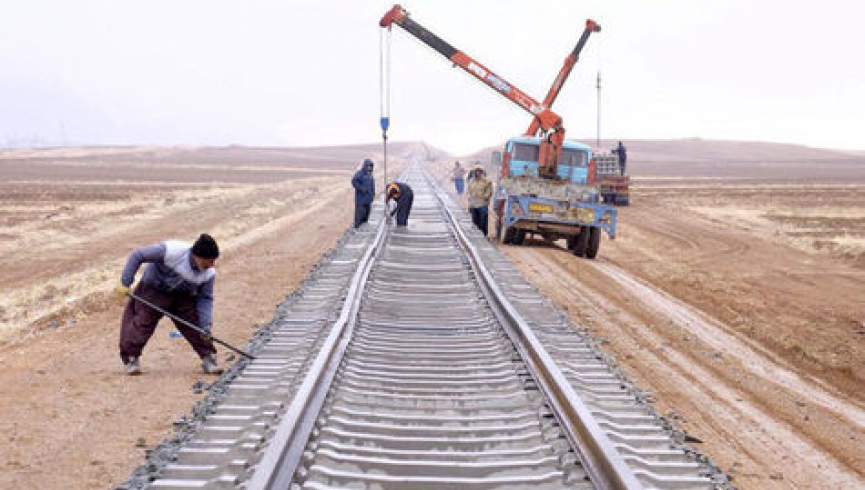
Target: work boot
(133, 366)
(209, 366)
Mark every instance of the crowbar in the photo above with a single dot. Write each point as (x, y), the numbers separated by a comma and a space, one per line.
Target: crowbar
(204, 333)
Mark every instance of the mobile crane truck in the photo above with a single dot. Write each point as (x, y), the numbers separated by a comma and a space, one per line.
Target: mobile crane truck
(546, 185)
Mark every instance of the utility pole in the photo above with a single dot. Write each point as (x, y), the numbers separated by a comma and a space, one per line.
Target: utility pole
(598, 134)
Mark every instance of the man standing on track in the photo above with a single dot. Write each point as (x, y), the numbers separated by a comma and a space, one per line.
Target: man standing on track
(459, 174)
(403, 195)
(179, 279)
(364, 190)
(480, 192)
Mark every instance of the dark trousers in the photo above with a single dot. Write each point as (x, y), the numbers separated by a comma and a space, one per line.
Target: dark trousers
(481, 218)
(403, 208)
(361, 213)
(139, 321)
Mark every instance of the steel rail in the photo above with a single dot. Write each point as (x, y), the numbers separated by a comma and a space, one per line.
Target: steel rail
(285, 449)
(602, 461)
(281, 459)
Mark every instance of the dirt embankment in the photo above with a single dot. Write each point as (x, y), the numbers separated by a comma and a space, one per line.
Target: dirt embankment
(733, 295)
(752, 345)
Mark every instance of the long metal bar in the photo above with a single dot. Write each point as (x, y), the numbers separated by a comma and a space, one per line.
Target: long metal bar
(201, 331)
(604, 463)
(285, 448)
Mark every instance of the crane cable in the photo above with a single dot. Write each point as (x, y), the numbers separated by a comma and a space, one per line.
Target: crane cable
(384, 93)
(598, 63)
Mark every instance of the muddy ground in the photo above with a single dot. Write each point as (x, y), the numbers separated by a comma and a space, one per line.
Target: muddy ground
(70, 417)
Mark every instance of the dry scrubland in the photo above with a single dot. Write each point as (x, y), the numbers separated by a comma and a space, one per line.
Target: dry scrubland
(733, 294)
(69, 218)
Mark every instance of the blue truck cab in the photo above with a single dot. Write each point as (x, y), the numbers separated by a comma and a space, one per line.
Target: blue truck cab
(567, 206)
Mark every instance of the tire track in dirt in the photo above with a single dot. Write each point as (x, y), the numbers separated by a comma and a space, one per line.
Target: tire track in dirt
(755, 427)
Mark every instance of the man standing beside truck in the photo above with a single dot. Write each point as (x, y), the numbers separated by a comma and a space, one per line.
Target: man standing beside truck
(623, 156)
(480, 192)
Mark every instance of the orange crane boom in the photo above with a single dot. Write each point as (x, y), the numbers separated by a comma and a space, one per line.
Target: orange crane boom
(548, 121)
(570, 61)
(546, 118)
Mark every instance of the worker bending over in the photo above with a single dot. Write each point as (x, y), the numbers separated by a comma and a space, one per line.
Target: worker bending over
(179, 279)
(403, 195)
(480, 192)
(364, 190)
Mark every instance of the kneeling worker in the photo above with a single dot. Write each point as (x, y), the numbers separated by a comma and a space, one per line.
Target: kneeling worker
(179, 279)
(403, 195)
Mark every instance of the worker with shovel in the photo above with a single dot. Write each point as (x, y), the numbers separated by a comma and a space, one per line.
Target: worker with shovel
(178, 282)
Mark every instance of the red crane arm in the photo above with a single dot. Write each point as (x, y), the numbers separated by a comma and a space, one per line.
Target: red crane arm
(545, 118)
(570, 61)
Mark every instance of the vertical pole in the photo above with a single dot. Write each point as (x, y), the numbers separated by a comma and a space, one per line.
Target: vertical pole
(598, 134)
(384, 99)
(384, 143)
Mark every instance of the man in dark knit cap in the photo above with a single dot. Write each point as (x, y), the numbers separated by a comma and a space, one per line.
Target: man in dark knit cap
(179, 279)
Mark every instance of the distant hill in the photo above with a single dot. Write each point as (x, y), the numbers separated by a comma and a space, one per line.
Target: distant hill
(342, 156)
(701, 158)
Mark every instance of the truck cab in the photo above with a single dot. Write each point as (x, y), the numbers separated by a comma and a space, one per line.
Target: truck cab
(565, 206)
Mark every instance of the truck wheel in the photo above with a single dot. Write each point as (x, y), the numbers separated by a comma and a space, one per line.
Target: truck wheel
(581, 242)
(594, 242)
(519, 237)
(509, 235)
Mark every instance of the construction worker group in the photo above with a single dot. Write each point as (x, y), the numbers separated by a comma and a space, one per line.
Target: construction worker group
(178, 280)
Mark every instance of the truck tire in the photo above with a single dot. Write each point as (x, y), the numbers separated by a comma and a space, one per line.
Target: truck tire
(594, 242)
(519, 237)
(581, 242)
(509, 235)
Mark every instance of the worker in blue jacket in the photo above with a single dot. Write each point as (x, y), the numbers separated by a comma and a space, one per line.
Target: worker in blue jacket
(403, 195)
(364, 190)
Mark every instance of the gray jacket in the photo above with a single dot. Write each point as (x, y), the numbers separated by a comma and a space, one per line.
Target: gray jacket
(172, 270)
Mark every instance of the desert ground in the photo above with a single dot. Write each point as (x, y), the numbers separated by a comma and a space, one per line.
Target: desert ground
(68, 219)
(732, 294)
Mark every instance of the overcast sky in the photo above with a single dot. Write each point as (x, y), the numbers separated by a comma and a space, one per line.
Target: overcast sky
(304, 72)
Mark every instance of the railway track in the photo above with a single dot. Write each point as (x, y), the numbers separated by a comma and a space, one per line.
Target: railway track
(419, 358)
